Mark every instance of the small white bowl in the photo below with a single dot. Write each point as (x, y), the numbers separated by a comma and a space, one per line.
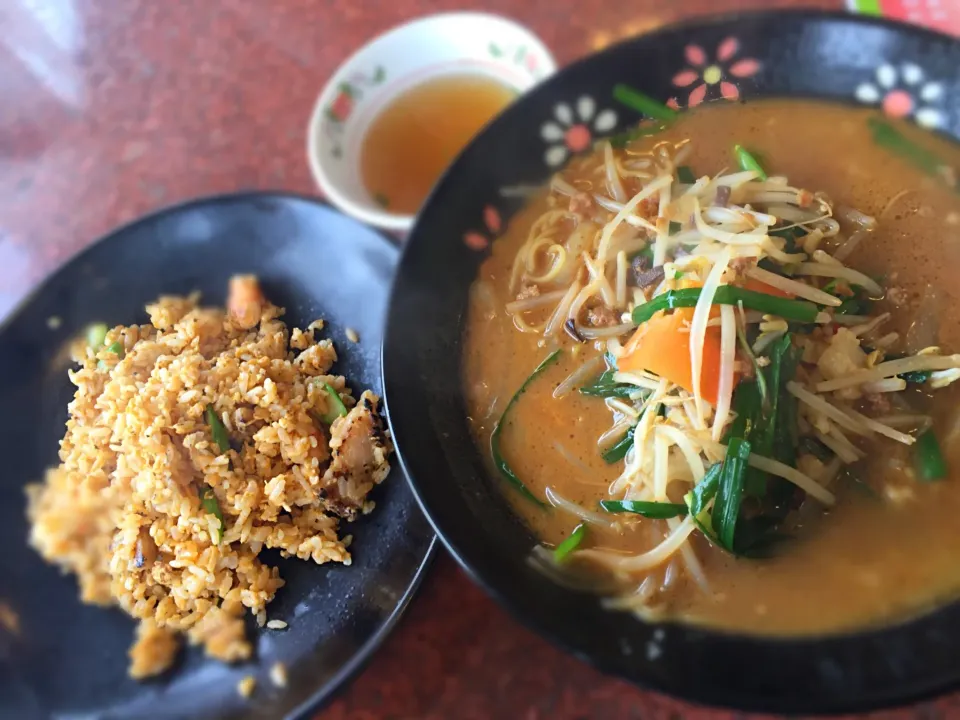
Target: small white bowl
(448, 43)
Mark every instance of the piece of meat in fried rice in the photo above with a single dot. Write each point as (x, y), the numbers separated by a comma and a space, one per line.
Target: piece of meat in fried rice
(359, 447)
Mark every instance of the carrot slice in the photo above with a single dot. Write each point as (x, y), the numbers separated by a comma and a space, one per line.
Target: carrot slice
(662, 346)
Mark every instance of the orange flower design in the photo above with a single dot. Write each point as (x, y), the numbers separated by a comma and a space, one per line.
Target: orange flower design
(480, 241)
(704, 75)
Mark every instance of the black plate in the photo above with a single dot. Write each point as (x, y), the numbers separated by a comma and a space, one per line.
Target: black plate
(70, 659)
(796, 54)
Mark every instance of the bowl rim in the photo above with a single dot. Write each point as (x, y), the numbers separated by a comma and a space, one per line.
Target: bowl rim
(685, 689)
(382, 218)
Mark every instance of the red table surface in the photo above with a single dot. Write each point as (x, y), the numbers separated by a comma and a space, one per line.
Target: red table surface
(113, 108)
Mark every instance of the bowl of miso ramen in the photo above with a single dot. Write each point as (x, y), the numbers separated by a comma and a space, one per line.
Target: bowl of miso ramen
(688, 405)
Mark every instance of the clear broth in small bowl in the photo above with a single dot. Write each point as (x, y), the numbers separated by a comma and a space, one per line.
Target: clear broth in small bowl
(420, 132)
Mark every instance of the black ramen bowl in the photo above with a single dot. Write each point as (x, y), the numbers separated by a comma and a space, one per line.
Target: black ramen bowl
(826, 56)
(66, 659)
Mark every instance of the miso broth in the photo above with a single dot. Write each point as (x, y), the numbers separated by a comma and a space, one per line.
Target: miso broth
(889, 545)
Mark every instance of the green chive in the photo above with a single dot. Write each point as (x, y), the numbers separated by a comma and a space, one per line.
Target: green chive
(748, 161)
(571, 543)
(860, 486)
(605, 386)
(794, 310)
(653, 510)
(757, 372)
(790, 236)
(757, 537)
(116, 348)
(685, 175)
(772, 430)
(857, 304)
(918, 377)
(704, 491)
(746, 410)
(752, 421)
(889, 138)
(615, 390)
(705, 525)
(790, 233)
(217, 430)
(777, 374)
(498, 460)
(931, 466)
(335, 408)
(643, 104)
(646, 253)
(765, 414)
(698, 499)
(209, 502)
(96, 335)
(787, 410)
(620, 450)
(811, 446)
(726, 508)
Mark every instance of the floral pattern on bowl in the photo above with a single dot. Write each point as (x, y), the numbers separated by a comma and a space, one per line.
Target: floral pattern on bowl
(713, 79)
(899, 88)
(904, 91)
(572, 129)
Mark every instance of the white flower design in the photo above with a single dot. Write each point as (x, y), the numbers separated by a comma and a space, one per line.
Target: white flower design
(573, 132)
(904, 92)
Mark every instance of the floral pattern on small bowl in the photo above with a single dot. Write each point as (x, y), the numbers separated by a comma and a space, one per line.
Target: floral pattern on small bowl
(340, 108)
(903, 91)
(710, 80)
(520, 56)
(572, 131)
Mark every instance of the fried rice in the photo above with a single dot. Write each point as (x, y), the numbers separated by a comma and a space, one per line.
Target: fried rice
(193, 443)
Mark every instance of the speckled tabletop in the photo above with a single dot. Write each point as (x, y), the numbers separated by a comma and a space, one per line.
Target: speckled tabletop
(112, 108)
